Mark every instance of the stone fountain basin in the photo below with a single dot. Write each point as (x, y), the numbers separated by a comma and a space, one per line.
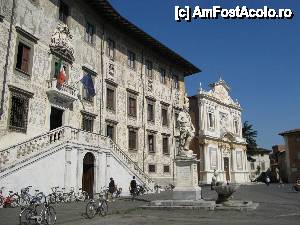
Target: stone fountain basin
(226, 190)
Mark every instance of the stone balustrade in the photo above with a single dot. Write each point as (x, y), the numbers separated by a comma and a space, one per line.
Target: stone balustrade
(65, 91)
(39, 144)
(141, 174)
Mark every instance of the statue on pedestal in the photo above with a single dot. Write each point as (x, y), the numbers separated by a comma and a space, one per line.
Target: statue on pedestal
(187, 130)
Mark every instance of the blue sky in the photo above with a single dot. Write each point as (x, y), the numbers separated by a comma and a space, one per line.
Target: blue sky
(259, 59)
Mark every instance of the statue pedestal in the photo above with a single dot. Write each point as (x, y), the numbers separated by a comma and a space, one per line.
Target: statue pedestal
(186, 185)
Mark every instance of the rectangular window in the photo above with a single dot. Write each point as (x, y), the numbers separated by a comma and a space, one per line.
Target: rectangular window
(162, 75)
(63, 12)
(18, 112)
(23, 57)
(164, 116)
(150, 112)
(111, 48)
(176, 82)
(89, 32)
(151, 168)
(85, 94)
(87, 122)
(213, 157)
(165, 143)
(176, 120)
(132, 106)
(166, 169)
(110, 131)
(149, 67)
(110, 99)
(210, 120)
(151, 144)
(252, 166)
(236, 127)
(132, 139)
(131, 60)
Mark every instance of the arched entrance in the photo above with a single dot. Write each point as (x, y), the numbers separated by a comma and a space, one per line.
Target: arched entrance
(88, 173)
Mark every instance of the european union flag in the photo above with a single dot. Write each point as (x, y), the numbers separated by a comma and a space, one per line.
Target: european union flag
(88, 84)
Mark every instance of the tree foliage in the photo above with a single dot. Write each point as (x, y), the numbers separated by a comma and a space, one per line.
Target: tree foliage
(250, 135)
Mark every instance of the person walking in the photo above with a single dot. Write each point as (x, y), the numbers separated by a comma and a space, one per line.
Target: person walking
(133, 188)
(111, 189)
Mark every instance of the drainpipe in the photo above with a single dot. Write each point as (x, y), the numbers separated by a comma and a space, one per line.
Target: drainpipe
(102, 80)
(143, 107)
(7, 58)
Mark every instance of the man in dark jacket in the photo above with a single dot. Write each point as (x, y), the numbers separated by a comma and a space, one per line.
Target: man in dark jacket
(133, 188)
(111, 188)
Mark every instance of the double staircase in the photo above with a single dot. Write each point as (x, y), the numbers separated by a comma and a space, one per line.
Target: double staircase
(17, 154)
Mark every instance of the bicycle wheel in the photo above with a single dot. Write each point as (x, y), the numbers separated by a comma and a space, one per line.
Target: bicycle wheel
(25, 215)
(103, 208)
(50, 216)
(91, 209)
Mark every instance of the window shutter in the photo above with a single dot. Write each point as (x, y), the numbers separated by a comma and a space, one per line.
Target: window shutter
(25, 59)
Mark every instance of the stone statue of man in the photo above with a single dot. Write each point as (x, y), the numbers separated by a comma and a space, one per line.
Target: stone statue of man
(187, 130)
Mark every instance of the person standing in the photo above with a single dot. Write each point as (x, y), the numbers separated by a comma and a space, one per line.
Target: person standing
(133, 188)
(267, 180)
(111, 189)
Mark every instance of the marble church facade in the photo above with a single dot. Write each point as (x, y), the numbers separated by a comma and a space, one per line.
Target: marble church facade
(139, 86)
(218, 142)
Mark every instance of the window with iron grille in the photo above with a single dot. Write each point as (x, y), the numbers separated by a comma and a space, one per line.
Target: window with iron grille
(164, 116)
(132, 106)
(63, 12)
(166, 169)
(151, 168)
(162, 75)
(151, 144)
(23, 57)
(165, 146)
(87, 122)
(89, 32)
(150, 111)
(18, 112)
(131, 60)
(132, 139)
(111, 48)
(110, 98)
(149, 67)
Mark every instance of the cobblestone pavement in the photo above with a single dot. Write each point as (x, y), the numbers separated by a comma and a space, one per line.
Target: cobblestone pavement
(278, 205)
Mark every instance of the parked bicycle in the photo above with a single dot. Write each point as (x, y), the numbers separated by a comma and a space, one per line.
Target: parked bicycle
(26, 198)
(98, 206)
(12, 200)
(37, 214)
(81, 195)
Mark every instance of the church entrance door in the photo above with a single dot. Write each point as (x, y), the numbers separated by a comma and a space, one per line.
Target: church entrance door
(226, 168)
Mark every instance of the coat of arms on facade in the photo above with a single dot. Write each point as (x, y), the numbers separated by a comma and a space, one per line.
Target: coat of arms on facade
(61, 42)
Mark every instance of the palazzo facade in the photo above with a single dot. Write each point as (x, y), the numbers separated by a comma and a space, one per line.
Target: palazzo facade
(129, 123)
(218, 143)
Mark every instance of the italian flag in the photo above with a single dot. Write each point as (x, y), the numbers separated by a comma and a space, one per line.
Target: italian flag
(60, 71)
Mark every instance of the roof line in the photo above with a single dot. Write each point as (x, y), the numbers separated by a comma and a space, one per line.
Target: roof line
(109, 13)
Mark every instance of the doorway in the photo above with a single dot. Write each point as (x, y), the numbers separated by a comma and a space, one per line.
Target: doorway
(88, 173)
(56, 118)
(226, 168)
